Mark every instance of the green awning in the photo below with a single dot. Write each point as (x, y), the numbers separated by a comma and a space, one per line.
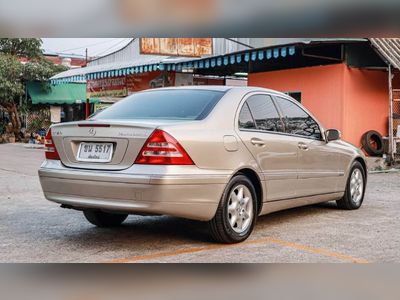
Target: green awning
(68, 93)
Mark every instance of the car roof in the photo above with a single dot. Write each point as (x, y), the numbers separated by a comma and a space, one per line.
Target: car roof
(222, 88)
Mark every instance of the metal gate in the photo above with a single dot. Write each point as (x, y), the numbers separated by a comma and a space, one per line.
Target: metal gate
(396, 122)
(389, 50)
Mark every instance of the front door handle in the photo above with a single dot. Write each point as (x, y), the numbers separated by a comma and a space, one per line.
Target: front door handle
(257, 142)
(302, 146)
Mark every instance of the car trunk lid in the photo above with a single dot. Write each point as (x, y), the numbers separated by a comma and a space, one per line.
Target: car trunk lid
(125, 138)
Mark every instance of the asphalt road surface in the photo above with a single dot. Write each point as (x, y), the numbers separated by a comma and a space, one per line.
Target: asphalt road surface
(33, 229)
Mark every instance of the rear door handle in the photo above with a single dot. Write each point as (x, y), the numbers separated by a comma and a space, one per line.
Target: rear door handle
(257, 142)
(302, 146)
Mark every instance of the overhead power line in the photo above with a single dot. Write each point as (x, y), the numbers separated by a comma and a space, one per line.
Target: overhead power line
(240, 43)
(115, 45)
(90, 45)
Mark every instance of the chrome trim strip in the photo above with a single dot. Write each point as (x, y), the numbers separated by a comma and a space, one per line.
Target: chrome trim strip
(301, 175)
(319, 174)
(279, 175)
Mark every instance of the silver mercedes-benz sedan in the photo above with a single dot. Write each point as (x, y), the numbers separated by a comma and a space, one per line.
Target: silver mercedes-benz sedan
(219, 154)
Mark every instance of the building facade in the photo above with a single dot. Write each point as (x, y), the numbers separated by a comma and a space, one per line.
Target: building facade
(350, 99)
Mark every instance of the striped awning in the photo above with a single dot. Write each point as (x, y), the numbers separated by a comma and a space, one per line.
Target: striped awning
(235, 58)
(177, 64)
(108, 73)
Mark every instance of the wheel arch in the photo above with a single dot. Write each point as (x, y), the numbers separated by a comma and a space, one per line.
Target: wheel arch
(256, 181)
(364, 165)
(362, 162)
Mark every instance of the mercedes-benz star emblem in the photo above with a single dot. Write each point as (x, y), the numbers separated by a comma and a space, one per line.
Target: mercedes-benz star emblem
(92, 131)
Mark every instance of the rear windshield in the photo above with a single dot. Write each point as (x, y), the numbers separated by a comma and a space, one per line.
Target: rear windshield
(164, 104)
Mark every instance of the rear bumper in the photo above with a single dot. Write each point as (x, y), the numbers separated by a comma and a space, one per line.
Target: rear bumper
(186, 191)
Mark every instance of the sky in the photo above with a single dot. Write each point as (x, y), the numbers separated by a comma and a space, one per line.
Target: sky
(96, 46)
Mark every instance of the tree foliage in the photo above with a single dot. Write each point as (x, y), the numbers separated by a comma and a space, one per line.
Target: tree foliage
(40, 69)
(21, 47)
(11, 86)
(21, 60)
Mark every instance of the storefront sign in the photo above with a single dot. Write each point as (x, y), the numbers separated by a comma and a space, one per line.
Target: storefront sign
(126, 85)
(195, 47)
(107, 87)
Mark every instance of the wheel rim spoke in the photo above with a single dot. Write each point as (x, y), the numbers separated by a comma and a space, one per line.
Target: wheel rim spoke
(239, 223)
(232, 221)
(246, 202)
(240, 193)
(234, 197)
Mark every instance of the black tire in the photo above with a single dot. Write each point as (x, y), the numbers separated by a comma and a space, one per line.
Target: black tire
(372, 143)
(104, 219)
(220, 229)
(347, 201)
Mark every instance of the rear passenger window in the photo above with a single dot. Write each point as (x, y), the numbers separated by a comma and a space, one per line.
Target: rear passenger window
(265, 114)
(297, 121)
(245, 119)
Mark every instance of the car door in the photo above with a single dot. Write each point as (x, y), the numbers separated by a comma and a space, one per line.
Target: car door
(318, 162)
(261, 129)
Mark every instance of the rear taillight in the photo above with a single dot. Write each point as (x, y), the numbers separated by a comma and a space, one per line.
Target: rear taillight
(50, 148)
(162, 149)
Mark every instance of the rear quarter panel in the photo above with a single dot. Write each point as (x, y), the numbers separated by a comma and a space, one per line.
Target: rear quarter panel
(213, 148)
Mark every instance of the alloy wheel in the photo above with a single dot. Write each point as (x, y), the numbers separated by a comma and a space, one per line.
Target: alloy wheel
(240, 208)
(356, 186)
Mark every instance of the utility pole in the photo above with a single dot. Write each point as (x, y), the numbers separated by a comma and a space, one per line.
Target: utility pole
(86, 57)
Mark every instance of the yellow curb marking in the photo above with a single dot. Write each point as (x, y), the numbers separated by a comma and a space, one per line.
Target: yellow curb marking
(309, 249)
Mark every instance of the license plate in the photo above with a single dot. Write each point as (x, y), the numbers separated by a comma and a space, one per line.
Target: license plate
(95, 152)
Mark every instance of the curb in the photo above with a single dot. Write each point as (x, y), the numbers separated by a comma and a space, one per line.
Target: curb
(384, 171)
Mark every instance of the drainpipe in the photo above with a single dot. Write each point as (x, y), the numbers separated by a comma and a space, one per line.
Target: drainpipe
(391, 139)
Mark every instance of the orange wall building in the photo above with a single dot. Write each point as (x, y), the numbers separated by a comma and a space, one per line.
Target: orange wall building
(350, 99)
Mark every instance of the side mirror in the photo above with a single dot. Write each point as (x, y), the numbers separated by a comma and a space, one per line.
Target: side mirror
(332, 135)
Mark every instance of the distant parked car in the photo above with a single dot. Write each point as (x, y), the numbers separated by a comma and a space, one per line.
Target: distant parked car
(157, 82)
(162, 80)
(224, 155)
